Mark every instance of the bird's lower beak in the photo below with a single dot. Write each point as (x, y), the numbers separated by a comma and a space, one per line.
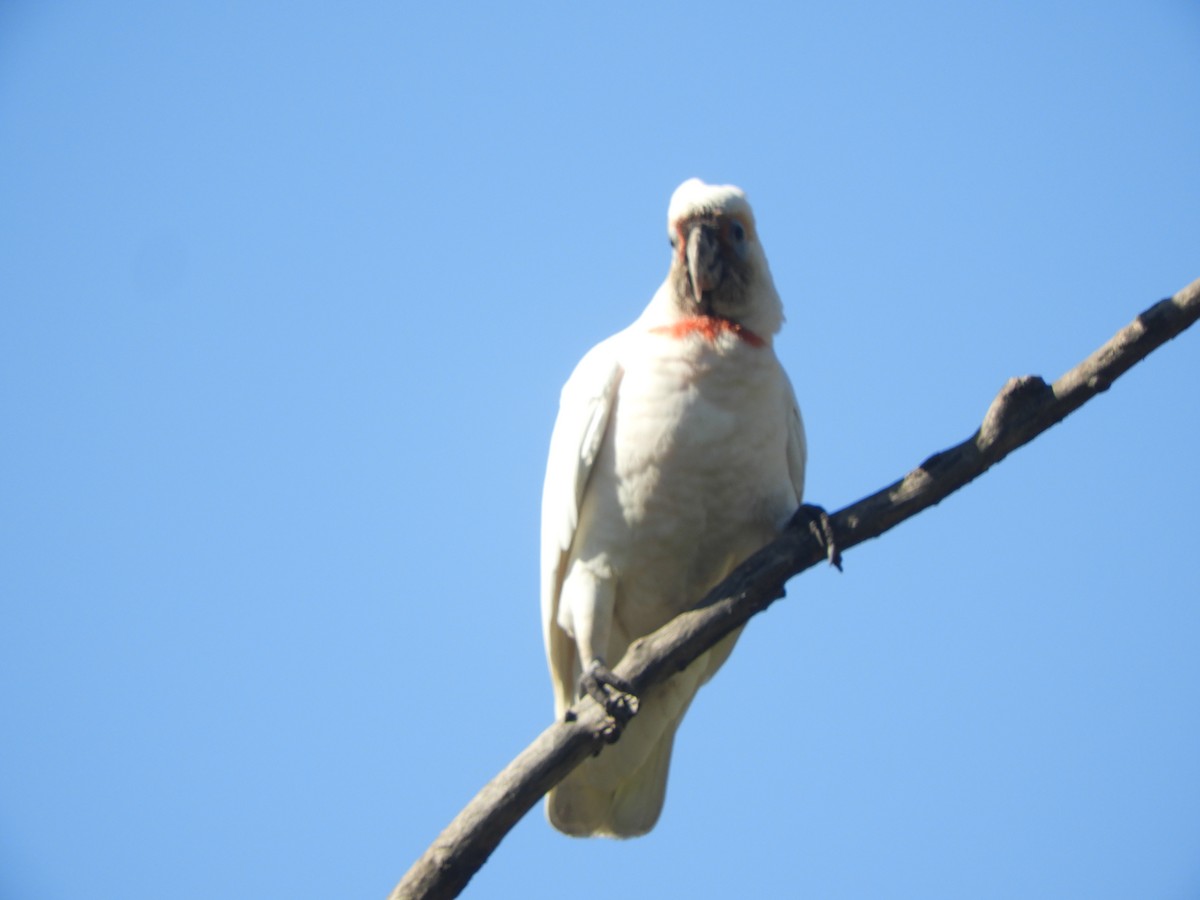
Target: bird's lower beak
(704, 265)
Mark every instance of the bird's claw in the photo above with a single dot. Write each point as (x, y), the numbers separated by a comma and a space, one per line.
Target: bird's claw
(612, 692)
(819, 526)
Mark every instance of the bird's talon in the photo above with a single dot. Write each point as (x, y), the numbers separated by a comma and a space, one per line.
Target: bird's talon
(621, 707)
(612, 692)
(821, 528)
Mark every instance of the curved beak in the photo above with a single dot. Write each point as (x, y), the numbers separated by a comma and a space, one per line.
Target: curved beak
(703, 256)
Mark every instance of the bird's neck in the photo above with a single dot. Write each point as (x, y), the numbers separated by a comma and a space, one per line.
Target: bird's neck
(709, 328)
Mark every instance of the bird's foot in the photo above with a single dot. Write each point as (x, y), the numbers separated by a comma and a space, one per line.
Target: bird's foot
(612, 692)
(819, 526)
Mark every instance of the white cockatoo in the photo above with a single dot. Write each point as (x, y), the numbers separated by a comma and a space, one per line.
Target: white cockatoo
(678, 451)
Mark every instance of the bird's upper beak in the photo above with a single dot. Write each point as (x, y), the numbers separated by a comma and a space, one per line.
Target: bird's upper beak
(703, 256)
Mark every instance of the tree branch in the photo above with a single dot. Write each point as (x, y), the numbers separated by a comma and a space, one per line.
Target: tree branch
(1024, 408)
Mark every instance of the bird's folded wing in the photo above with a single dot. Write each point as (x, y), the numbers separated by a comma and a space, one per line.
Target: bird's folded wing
(585, 408)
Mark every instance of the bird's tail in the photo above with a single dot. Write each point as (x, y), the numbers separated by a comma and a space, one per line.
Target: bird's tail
(620, 792)
(583, 805)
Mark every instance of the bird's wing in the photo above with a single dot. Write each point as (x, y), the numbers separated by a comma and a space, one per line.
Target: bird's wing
(584, 411)
(797, 446)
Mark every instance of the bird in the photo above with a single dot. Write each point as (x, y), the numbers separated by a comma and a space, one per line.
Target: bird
(678, 450)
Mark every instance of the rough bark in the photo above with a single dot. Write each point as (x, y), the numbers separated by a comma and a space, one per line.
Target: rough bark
(1024, 408)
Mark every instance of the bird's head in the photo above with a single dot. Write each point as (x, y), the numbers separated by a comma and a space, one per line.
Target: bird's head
(718, 267)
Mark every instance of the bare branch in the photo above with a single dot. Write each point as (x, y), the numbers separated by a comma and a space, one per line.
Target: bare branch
(1023, 409)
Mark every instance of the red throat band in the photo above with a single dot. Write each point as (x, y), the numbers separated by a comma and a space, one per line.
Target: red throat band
(709, 328)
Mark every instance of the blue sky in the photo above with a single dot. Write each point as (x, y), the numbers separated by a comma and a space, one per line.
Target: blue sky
(289, 291)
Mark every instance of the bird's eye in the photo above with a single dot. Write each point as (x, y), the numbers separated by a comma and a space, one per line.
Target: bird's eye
(737, 231)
